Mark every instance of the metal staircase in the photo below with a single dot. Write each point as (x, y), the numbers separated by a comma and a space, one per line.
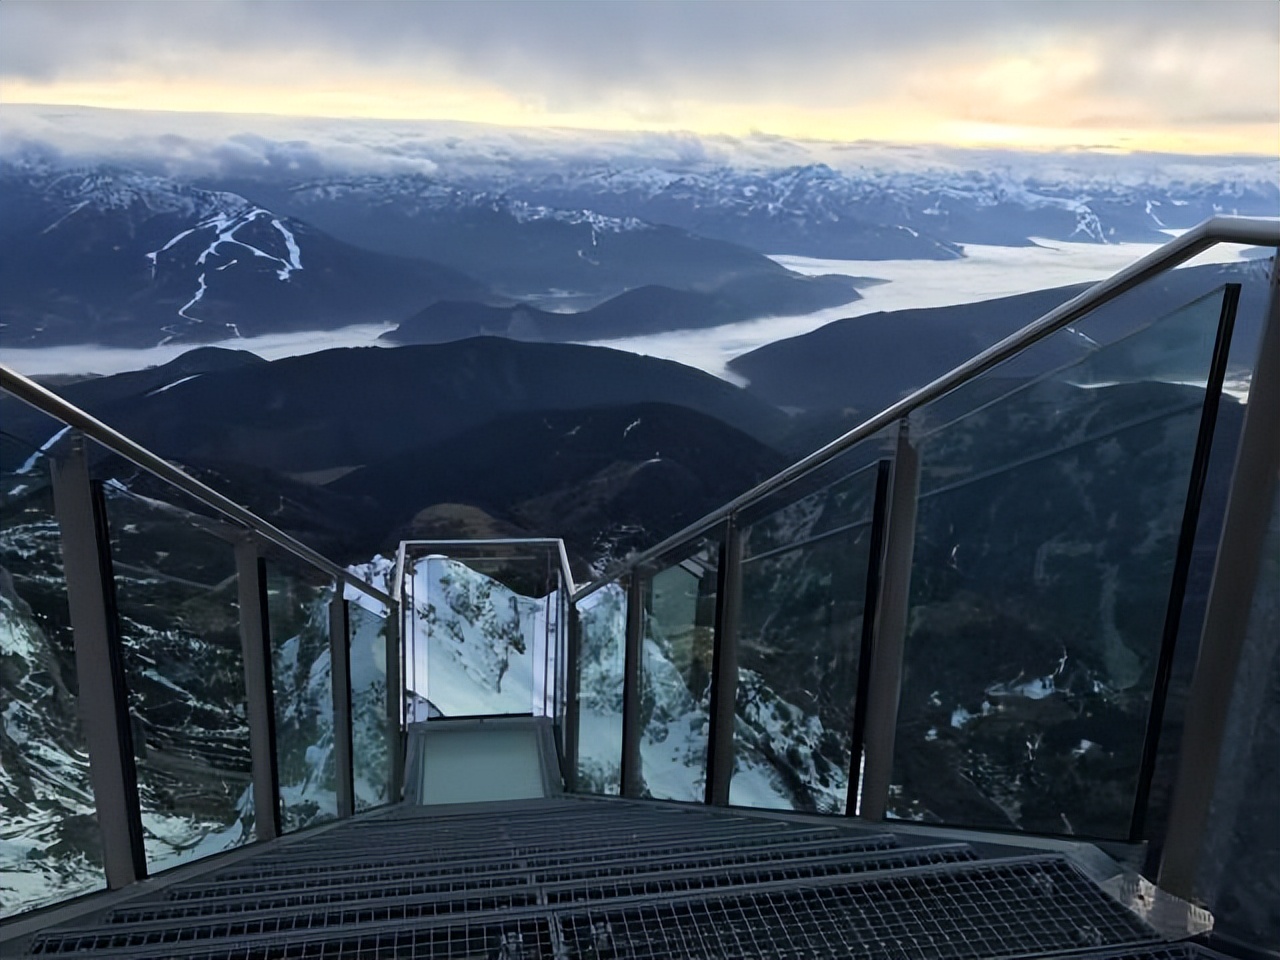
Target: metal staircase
(599, 878)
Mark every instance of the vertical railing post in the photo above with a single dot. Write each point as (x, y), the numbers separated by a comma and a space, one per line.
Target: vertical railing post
(255, 645)
(1226, 620)
(550, 650)
(573, 654)
(340, 683)
(871, 588)
(632, 778)
(890, 630)
(1182, 562)
(395, 699)
(563, 626)
(103, 696)
(724, 665)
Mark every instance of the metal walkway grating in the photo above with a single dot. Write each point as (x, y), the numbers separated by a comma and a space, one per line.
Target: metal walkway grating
(577, 878)
(1030, 907)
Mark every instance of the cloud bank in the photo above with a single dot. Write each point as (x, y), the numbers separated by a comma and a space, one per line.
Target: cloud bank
(838, 70)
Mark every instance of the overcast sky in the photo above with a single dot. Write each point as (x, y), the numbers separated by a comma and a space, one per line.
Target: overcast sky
(1185, 76)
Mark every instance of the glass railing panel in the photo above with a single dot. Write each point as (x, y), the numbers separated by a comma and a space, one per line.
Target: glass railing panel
(479, 635)
(804, 577)
(829, 490)
(602, 632)
(50, 844)
(1120, 319)
(302, 693)
(1239, 875)
(675, 674)
(178, 615)
(557, 655)
(1046, 537)
(370, 759)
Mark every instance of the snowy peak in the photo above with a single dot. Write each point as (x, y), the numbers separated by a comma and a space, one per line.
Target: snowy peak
(217, 213)
(417, 195)
(104, 189)
(101, 254)
(886, 210)
(244, 239)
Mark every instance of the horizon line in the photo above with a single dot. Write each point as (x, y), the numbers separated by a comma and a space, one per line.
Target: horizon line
(753, 135)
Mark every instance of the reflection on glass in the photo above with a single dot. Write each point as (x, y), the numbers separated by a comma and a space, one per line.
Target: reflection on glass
(1239, 876)
(302, 690)
(478, 637)
(1045, 542)
(602, 629)
(370, 760)
(804, 576)
(675, 676)
(176, 593)
(50, 846)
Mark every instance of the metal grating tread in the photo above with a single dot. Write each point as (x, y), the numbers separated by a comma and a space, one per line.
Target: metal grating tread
(292, 899)
(503, 884)
(164, 932)
(1160, 951)
(974, 909)
(484, 874)
(852, 861)
(546, 855)
(651, 885)
(642, 878)
(519, 830)
(991, 910)
(535, 832)
(529, 939)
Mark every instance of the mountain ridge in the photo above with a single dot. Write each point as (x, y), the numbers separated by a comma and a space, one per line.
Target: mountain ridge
(121, 258)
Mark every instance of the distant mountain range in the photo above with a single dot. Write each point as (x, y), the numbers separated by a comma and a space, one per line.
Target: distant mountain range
(521, 249)
(116, 257)
(521, 431)
(133, 243)
(607, 479)
(881, 214)
(637, 312)
(125, 259)
(862, 364)
(348, 446)
(809, 210)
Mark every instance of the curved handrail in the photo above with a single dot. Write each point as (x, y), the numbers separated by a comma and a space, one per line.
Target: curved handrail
(46, 401)
(1256, 231)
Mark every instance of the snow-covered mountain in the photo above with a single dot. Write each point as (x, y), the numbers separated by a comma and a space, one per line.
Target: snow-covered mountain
(112, 255)
(884, 205)
(132, 242)
(871, 213)
(116, 256)
(568, 253)
(184, 677)
(861, 200)
(474, 644)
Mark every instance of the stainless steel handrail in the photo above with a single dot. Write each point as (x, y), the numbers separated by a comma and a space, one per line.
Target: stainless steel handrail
(46, 401)
(1256, 231)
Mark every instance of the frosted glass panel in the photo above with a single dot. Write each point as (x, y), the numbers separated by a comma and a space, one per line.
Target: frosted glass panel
(302, 691)
(602, 620)
(675, 676)
(472, 765)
